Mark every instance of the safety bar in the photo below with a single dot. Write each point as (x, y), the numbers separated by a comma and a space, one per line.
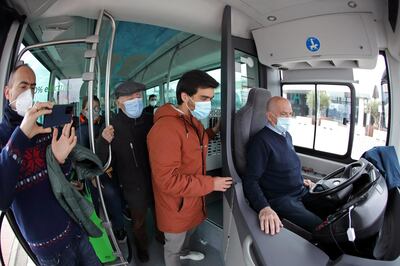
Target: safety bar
(90, 39)
(92, 63)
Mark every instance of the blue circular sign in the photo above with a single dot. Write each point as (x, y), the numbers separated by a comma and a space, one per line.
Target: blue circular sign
(313, 44)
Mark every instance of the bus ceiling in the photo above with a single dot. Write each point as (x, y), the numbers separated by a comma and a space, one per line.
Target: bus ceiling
(370, 25)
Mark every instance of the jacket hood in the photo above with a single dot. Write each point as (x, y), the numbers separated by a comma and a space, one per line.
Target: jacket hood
(167, 110)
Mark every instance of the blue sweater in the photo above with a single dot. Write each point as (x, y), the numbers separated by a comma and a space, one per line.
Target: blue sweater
(25, 187)
(273, 168)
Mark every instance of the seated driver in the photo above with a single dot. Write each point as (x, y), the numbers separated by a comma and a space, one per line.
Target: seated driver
(273, 183)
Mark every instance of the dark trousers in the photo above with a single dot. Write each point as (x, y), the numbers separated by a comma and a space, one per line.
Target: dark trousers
(292, 208)
(78, 253)
(112, 199)
(139, 228)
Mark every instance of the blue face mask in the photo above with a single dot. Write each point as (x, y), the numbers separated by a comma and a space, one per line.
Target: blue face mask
(283, 124)
(201, 109)
(134, 107)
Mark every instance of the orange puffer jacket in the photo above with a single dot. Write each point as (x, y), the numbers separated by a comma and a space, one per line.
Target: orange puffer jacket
(177, 146)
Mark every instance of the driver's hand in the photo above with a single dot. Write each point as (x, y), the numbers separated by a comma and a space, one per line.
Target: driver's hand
(308, 183)
(269, 221)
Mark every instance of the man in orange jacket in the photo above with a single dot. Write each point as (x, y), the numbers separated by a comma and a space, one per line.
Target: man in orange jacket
(177, 146)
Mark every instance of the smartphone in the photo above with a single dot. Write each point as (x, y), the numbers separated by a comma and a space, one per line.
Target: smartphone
(61, 115)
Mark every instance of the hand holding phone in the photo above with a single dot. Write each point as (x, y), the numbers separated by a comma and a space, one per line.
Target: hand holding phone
(61, 115)
(29, 125)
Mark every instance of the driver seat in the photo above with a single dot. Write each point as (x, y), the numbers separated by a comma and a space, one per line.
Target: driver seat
(248, 121)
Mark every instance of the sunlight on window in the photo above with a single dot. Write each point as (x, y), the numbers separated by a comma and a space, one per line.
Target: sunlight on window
(42, 76)
(372, 108)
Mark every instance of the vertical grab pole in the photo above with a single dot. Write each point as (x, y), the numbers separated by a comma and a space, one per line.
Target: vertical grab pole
(107, 223)
(92, 63)
(169, 69)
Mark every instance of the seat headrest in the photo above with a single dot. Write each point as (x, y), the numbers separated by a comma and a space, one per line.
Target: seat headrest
(249, 120)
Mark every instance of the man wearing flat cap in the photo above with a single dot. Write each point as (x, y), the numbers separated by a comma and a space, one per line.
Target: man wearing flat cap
(130, 162)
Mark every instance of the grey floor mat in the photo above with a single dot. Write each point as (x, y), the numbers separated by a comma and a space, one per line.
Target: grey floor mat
(213, 258)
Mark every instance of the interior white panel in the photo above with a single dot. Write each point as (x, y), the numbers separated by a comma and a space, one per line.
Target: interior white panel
(319, 165)
(345, 37)
(318, 75)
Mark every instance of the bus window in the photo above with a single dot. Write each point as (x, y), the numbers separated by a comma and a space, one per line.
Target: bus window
(333, 118)
(42, 75)
(67, 90)
(246, 76)
(170, 93)
(372, 108)
(303, 127)
(319, 120)
(216, 102)
(60, 80)
(154, 90)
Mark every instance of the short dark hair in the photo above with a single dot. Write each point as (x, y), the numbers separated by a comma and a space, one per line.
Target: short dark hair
(193, 80)
(151, 96)
(15, 69)
(85, 100)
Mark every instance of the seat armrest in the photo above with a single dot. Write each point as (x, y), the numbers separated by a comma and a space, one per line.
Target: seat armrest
(297, 230)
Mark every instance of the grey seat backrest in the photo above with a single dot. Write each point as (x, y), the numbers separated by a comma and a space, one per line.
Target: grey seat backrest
(387, 245)
(249, 120)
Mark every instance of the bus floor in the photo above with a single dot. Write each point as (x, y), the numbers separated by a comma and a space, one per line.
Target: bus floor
(156, 252)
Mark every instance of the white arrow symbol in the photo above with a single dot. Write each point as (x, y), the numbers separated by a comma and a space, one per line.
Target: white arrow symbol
(313, 46)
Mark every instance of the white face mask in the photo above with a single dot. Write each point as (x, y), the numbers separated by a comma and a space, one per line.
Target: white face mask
(153, 103)
(23, 102)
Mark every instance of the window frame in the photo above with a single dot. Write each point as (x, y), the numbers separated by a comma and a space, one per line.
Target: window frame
(345, 158)
(389, 114)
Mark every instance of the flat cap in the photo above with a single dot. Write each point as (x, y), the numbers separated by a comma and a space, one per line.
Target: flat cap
(128, 87)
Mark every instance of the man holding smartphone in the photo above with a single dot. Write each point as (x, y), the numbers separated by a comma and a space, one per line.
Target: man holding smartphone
(25, 188)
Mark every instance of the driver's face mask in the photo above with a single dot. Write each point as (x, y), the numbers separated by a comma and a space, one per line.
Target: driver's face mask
(282, 123)
(23, 102)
